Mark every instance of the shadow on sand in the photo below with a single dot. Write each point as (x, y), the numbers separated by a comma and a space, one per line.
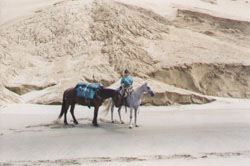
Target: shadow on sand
(84, 123)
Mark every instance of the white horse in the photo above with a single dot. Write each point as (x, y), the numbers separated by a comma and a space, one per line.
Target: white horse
(133, 101)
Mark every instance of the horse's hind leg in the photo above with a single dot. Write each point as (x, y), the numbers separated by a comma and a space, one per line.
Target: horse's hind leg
(136, 118)
(131, 116)
(65, 114)
(72, 108)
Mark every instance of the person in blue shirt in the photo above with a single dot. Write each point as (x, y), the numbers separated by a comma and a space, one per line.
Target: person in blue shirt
(126, 82)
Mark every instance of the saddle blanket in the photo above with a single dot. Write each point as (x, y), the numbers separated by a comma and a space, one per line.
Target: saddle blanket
(86, 90)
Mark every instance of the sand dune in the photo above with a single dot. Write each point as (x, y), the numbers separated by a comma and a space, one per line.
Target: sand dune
(95, 41)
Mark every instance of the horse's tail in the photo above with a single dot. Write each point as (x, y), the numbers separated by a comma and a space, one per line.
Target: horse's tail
(106, 110)
(63, 107)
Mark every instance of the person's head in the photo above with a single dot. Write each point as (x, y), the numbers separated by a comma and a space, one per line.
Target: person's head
(126, 72)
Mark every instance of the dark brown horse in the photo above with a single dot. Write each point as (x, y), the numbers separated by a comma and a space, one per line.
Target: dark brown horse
(70, 98)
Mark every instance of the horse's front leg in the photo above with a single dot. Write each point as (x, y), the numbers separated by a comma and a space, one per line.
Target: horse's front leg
(136, 117)
(94, 122)
(119, 113)
(131, 116)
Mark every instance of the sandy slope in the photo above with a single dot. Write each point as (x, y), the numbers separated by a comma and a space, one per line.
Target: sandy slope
(201, 49)
(11, 10)
(188, 135)
(232, 9)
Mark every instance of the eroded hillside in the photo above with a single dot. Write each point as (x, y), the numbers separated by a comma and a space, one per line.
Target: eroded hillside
(94, 41)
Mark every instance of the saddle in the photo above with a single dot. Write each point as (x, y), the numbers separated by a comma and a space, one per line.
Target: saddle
(127, 92)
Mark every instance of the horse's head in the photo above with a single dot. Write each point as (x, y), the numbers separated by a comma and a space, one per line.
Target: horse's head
(117, 98)
(147, 89)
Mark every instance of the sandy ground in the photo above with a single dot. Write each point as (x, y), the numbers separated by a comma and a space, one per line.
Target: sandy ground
(210, 134)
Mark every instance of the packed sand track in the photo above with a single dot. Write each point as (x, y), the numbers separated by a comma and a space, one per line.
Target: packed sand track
(195, 54)
(189, 135)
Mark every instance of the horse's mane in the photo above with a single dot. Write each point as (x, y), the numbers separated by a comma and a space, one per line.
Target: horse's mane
(139, 87)
(108, 89)
(105, 91)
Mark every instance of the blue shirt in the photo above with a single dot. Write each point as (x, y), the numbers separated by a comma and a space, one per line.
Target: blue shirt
(127, 80)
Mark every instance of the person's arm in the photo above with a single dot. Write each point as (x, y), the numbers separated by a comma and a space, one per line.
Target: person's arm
(122, 84)
(122, 81)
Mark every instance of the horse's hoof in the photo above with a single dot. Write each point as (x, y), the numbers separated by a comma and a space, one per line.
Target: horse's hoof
(75, 122)
(113, 121)
(122, 122)
(95, 124)
(66, 123)
(130, 127)
(136, 126)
